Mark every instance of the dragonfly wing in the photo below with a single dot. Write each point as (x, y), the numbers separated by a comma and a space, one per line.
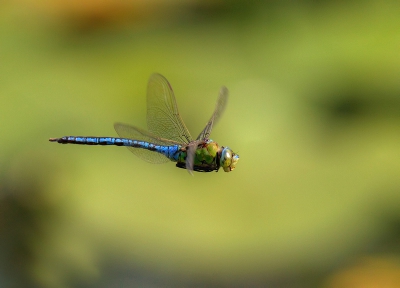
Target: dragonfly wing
(219, 109)
(131, 132)
(163, 117)
(190, 154)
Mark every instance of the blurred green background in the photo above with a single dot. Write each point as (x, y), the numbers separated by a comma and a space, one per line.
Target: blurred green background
(314, 112)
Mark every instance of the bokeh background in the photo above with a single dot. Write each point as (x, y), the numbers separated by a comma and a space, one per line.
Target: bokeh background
(314, 112)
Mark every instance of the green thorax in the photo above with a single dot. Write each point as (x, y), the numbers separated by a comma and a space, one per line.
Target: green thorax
(206, 157)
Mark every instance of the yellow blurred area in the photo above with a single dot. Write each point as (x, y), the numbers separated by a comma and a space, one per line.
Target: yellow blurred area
(369, 273)
(313, 112)
(92, 14)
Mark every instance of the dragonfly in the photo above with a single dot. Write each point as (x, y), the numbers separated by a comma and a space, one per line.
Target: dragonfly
(167, 138)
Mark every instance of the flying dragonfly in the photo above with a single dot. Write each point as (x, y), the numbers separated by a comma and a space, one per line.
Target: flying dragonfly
(167, 138)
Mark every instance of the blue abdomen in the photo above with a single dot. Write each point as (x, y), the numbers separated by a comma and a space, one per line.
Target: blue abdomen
(170, 151)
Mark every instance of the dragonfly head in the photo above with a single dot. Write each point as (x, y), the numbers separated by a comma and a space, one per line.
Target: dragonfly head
(228, 159)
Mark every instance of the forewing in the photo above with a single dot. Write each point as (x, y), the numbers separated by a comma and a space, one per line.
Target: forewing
(134, 133)
(190, 154)
(219, 109)
(163, 117)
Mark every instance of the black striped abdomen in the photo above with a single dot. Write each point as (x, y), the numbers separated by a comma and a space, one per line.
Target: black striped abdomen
(92, 140)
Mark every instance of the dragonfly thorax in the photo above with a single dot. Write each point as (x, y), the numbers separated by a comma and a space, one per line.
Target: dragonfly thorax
(208, 156)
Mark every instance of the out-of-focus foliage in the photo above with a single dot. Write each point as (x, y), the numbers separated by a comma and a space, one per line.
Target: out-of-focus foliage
(368, 272)
(314, 113)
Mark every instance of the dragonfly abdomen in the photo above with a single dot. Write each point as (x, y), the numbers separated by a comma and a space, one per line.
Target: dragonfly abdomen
(169, 151)
(91, 140)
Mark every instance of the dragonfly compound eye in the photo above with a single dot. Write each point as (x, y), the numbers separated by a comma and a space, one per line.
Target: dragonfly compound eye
(228, 159)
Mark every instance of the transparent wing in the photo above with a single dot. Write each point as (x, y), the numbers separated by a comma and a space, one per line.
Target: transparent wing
(190, 154)
(163, 117)
(131, 132)
(219, 109)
